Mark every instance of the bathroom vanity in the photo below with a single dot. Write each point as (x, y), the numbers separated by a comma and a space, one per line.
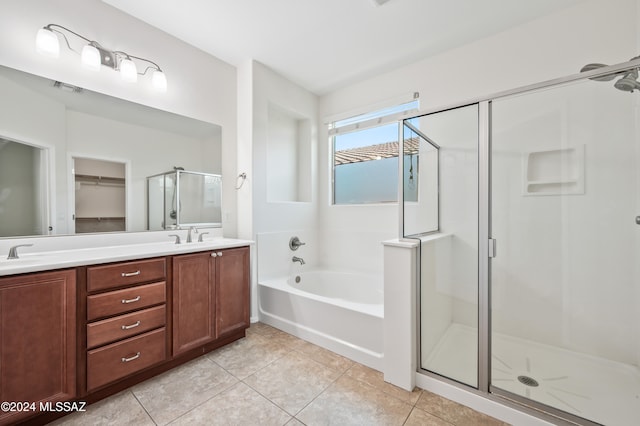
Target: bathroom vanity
(84, 327)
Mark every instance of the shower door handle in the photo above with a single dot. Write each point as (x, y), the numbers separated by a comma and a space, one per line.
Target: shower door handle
(637, 220)
(493, 250)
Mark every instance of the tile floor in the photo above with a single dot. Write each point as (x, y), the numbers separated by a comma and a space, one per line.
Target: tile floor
(273, 378)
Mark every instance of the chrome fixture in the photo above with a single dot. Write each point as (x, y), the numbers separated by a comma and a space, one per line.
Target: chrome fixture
(177, 238)
(94, 55)
(628, 83)
(298, 259)
(13, 251)
(241, 178)
(295, 243)
(637, 220)
(195, 231)
(202, 234)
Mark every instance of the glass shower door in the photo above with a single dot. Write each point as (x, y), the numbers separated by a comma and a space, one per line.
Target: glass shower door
(565, 284)
(445, 177)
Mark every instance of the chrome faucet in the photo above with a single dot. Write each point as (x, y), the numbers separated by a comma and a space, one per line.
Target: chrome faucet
(13, 251)
(298, 259)
(195, 231)
(295, 243)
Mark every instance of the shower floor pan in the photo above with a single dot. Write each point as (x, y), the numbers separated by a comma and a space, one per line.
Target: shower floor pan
(594, 388)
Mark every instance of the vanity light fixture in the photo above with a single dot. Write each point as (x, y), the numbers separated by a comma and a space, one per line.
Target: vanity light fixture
(94, 55)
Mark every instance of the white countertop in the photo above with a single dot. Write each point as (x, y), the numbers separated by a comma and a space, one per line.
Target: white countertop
(49, 260)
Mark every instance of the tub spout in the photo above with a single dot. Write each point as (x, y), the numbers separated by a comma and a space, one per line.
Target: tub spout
(298, 259)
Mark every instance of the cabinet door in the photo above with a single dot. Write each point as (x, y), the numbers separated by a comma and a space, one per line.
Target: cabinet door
(193, 301)
(37, 339)
(232, 290)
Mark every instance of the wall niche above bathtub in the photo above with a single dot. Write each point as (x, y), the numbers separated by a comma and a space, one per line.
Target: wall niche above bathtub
(288, 156)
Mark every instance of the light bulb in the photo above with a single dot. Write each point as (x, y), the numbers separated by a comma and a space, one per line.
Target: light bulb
(47, 43)
(128, 71)
(91, 58)
(159, 81)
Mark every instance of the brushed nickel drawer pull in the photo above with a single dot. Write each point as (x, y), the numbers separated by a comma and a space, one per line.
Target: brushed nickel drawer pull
(135, 299)
(219, 254)
(136, 356)
(129, 327)
(131, 274)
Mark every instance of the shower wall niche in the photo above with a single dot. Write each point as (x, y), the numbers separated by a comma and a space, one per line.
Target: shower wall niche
(288, 156)
(182, 198)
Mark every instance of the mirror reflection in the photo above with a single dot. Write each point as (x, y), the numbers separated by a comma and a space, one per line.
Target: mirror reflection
(75, 161)
(182, 198)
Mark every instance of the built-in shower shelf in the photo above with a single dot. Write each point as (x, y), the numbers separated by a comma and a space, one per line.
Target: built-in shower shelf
(554, 172)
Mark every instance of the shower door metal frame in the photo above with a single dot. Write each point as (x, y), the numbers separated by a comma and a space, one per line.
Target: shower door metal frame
(485, 389)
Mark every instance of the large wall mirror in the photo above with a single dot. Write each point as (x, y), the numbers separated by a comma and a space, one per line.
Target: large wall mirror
(73, 160)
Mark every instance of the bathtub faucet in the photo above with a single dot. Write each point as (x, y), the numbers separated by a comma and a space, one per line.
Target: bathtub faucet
(298, 259)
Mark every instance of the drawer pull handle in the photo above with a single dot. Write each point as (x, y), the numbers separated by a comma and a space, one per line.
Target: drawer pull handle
(129, 327)
(136, 356)
(214, 255)
(219, 254)
(135, 299)
(131, 274)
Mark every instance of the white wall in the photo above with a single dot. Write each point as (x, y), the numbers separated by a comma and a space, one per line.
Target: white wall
(270, 88)
(565, 274)
(272, 223)
(199, 85)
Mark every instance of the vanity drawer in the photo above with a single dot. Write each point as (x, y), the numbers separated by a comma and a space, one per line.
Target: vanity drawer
(112, 362)
(106, 331)
(126, 300)
(121, 274)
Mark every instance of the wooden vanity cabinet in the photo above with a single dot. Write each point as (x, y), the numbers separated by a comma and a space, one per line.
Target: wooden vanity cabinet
(126, 318)
(37, 340)
(210, 296)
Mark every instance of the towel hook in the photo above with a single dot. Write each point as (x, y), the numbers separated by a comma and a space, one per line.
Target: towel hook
(242, 176)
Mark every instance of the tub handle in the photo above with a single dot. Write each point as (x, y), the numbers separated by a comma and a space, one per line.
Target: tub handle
(295, 243)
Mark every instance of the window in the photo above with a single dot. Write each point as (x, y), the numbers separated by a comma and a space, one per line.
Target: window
(365, 156)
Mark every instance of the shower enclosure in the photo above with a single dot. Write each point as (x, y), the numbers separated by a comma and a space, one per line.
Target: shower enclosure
(182, 198)
(530, 278)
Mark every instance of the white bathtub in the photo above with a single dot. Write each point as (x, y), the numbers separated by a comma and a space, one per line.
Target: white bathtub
(341, 311)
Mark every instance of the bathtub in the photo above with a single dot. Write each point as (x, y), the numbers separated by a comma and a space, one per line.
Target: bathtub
(340, 311)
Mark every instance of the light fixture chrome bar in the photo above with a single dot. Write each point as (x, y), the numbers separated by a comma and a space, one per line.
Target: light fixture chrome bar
(94, 55)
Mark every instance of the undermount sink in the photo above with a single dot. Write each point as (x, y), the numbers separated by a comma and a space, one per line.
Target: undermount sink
(22, 260)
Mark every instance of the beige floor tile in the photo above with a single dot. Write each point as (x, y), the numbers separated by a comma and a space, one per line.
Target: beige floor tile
(119, 409)
(246, 356)
(295, 422)
(376, 379)
(261, 329)
(453, 412)
(419, 417)
(324, 356)
(238, 405)
(292, 381)
(284, 339)
(351, 402)
(175, 392)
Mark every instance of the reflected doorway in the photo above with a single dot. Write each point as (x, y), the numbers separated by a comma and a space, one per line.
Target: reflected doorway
(99, 195)
(24, 195)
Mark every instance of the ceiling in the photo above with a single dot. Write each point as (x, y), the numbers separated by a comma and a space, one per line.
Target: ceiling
(323, 45)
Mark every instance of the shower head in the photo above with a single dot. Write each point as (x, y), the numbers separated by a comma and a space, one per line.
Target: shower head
(629, 82)
(177, 168)
(606, 77)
